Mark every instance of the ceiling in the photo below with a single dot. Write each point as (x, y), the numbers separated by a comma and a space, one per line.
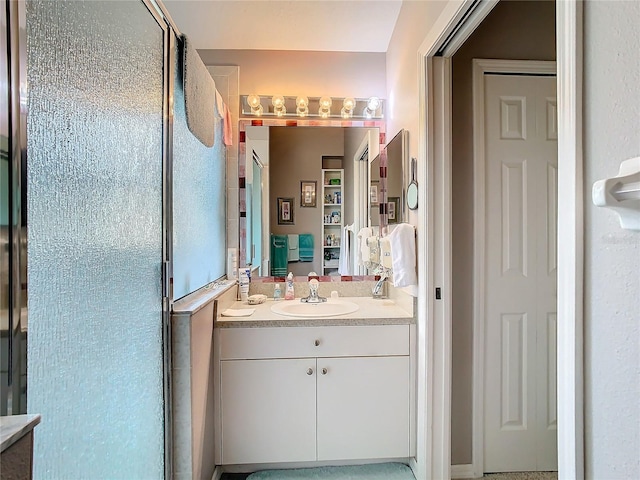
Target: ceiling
(319, 25)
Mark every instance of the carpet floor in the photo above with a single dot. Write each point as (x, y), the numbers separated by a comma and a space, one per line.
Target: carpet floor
(381, 471)
(522, 476)
(490, 476)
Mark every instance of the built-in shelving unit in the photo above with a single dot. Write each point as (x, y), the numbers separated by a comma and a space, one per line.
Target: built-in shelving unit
(332, 218)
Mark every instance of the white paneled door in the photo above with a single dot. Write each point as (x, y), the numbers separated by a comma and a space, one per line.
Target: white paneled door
(521, 195)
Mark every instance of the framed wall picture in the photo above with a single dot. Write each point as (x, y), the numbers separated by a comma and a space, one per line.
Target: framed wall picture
(308, 193)
(285, 211)
(393, 206)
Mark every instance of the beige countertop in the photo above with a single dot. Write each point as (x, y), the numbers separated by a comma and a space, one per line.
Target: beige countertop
(370, 312)
(14, 427)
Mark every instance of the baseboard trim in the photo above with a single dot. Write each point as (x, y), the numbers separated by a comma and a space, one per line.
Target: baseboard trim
(217, 474)
(462, 471)
(413, 465)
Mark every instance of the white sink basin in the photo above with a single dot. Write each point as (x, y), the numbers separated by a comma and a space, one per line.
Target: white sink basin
(325, 309)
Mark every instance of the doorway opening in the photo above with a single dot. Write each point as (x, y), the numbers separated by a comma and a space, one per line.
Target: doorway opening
(478, 235)
(453, 28)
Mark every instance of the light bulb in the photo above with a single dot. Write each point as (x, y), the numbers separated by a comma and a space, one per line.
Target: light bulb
(278, 105)
(324, 112)
(302, 111)
(253, 101)
(349, 104)
(325, 102)
(373, 104)
(302, 101)
(277, 101)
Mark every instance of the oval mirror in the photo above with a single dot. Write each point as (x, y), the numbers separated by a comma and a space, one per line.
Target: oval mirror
(412, 189)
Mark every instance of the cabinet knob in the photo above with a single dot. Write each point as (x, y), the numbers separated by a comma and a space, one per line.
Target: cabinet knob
(309, 371)
(324, 371)
(317, 343)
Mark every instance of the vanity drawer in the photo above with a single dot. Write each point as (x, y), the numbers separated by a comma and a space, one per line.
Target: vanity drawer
(300, 342)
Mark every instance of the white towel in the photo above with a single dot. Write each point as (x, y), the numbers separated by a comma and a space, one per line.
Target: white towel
(219, 105)
(294, 252)
(385, 253)
(344, 263)
(374, 250)
(362, 249)
(403, 254)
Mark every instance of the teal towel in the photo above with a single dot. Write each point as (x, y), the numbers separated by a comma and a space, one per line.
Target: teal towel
(279, 254)
(305, 245)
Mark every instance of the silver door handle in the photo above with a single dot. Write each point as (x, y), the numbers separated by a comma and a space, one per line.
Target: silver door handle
(324, 371)
(309, 371)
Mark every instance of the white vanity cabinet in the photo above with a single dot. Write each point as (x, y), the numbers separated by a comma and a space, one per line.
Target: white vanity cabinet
(268, 410)
(363, 408)
(293, 394)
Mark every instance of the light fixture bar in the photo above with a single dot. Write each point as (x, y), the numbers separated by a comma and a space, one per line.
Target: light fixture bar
(371, 108)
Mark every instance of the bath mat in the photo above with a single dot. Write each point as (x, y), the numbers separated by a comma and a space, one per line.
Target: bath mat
(379, 471)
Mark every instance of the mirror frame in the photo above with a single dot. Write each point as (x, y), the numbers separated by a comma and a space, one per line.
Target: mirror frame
(243, 123)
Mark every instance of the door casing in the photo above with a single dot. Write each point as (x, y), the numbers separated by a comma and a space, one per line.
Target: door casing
(433, 458)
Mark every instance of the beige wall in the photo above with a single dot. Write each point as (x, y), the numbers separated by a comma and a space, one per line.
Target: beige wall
(337, 74)
(295, 154)
(403, 108)
(513, 30)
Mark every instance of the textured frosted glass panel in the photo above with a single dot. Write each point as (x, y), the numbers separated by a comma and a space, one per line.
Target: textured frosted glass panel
(199, 203)
(95, 239)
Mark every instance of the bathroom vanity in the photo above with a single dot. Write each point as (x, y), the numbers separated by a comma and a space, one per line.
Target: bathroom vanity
(327, 389)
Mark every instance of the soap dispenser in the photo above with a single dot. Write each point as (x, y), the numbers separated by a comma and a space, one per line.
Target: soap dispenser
(289, 293)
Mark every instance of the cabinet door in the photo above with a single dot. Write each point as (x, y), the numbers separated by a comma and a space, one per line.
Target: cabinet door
(268, 410)
(363, 407)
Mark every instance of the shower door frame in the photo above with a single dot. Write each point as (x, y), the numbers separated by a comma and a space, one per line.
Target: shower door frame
(169, 48)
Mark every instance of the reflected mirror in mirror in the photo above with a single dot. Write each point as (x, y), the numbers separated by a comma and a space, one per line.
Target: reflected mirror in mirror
(397, 153)
(375, 192)
(278, 161)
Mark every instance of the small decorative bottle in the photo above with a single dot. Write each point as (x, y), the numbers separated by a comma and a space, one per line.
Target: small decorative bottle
(277, 292)
(289, 293)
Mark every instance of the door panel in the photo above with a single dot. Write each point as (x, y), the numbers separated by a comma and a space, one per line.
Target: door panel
(521, 257)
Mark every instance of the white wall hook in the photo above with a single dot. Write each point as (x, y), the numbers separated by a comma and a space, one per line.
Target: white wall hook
(621, 193)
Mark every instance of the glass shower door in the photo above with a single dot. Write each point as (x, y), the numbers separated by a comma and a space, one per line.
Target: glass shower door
(95, 201)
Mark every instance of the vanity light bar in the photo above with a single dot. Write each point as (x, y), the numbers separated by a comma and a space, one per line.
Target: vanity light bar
(312, 107)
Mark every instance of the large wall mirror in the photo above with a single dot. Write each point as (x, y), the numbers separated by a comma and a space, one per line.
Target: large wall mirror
(285, 191)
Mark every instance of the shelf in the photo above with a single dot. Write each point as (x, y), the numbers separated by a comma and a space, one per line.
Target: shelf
(331, 229)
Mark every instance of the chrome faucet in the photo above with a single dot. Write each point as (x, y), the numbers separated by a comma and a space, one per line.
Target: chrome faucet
(378, 289)
(313, 293)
